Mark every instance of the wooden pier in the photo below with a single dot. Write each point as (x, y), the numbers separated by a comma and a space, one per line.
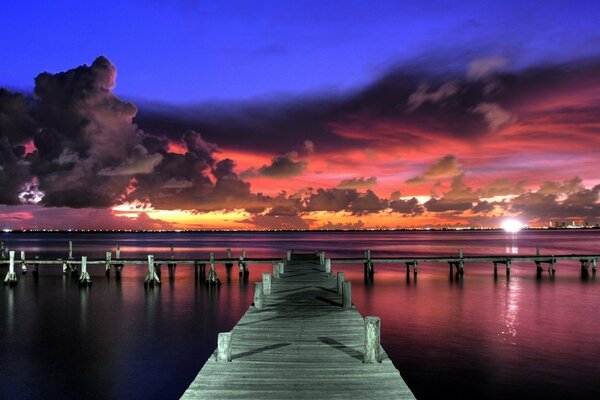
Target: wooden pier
(301, 338)
(205, 268)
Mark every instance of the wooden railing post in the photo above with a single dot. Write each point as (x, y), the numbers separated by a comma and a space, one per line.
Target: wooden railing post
(224, 346)
(347, 295)
(372, 339)
(340, 280)
(266, 281)
(258, 295)
(328, 265)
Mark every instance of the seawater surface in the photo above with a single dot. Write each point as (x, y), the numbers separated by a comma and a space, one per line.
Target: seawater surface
(521, 336)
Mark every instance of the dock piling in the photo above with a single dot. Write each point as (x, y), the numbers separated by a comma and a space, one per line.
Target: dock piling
(276, 271)
(328, 265)
(212, 273)
(11, 278)
(346, 295)
(340, 280)
(172, 266)
(243, 265)
(84, 278)
(289, 255)
(35, 270)
(258, 295)
(23, 264)
(107, 263)
(224, 346)
(266, 281)
(2, 250)
(372, 340)
(151, 278)
(369, 267)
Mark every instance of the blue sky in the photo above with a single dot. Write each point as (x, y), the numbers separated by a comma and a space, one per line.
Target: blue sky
(197, 51)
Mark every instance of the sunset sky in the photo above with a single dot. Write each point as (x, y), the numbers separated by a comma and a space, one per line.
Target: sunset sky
(298, 114)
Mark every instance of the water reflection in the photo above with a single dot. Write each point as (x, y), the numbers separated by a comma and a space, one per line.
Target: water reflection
(84, 293)
(512, 243)
(10, 309)
(511, 312)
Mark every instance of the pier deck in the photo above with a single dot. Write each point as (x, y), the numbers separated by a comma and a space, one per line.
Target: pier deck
(300, 344)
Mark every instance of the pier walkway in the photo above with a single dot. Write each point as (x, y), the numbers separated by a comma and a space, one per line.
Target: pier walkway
(302, 342)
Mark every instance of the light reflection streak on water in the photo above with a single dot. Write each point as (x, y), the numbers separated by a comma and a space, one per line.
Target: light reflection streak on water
(10, 308)
(512, 243)
(511, 311)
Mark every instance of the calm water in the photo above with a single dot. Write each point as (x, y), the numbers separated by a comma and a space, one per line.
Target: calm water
(523, 336)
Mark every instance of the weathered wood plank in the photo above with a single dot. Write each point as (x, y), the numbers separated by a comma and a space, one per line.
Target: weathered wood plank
(300, 344)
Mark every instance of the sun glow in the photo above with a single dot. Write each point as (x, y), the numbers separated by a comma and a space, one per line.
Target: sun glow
(512, 225)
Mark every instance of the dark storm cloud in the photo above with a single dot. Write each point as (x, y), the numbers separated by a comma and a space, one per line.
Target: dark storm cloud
(501, 187)
(581, 203)
(358, 183)
(16, 130)
(280, 167)
(463, 106)
(410, 206)
(447, 166)
(89, 153)
(87, 144)
(460, 197)
(331, 199)
(367, 203)
(349, 200)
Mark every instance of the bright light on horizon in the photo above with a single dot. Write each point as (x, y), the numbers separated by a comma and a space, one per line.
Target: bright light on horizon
(512, 225)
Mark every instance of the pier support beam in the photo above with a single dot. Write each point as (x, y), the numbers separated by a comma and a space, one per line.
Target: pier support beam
(118, 265)
(289, 255)
(414, 264)
(202, 276)
(107, 263)
(369, 267)
(84, 278)
(507, 262)
(11, 278)
(266, 281)
(258, 295)
(213, 279)
(151, 278)
(587, 262)
(229, 262)
(23, 264)
(346, 295)
(328, 265)
(172, 266)
(243, 265)
(551, 264)
(340, 280)
(372, 340)
(36, 266)
(224, 347)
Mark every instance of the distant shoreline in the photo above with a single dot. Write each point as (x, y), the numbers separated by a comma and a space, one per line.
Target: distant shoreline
(61, 231)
